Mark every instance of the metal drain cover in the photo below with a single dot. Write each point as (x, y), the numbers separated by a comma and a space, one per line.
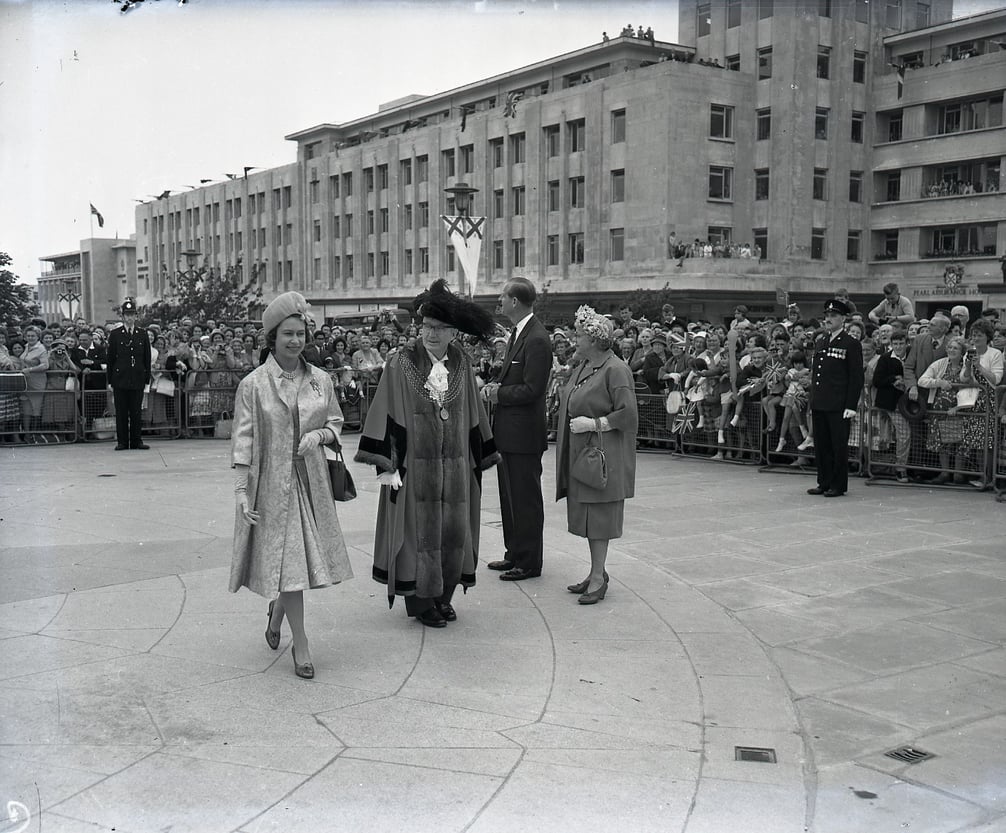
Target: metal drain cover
(755, 754)
(909, 755)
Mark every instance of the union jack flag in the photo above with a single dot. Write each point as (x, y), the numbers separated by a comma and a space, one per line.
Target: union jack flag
(684, 420)
(774, 372)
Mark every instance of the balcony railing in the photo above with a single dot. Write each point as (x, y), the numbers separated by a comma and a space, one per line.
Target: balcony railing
(956, 254)
(959, 188)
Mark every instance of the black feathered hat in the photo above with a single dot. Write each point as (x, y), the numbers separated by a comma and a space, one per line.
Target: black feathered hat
(468, 317)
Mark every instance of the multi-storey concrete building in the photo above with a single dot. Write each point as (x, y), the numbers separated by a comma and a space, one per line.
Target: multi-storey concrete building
(89, 283)
(595, 167)
(938, 220)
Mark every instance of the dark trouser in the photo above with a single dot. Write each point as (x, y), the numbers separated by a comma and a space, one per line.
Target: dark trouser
(128, 415)
(831, 450)
(523, 509)
(414, 605)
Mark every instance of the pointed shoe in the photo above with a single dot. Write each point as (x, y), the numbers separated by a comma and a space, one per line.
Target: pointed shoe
(271, 637)
(306, 670)
(596, 596)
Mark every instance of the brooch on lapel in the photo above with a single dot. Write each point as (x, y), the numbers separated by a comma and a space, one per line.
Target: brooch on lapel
(316, 386)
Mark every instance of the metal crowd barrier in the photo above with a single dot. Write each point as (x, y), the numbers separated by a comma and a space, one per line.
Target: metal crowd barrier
(944, 450)
(999, 443)
(208, 403)
(743, 442)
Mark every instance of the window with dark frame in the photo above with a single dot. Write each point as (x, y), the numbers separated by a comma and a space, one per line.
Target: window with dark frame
(817, 238)
(894, 127)
(518, 194)
(761, 183)
(517, 250)
(821, 123)
(576, 131)
(763, 123)
(617, 244)
(577, 192)
(497, 254)
(552, 247)
(823, 62)
(703, 21)
(733, 14)
(764, 63)
(764, 9)
(552, 136)
(720, 182)
(518, 147)
(496, 152)
(733, 63)
(721, 121)
(856, 132)
(859, 68)
(617, 126)
(852, 247)
(498, 205)
(618, 186)
(760, 236)
(824, 8)
(893, 186)
(820, 183)
(576, 247)
(855, 186)
(553, 195)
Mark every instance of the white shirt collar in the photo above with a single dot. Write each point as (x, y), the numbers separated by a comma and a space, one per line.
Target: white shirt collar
(521, 324)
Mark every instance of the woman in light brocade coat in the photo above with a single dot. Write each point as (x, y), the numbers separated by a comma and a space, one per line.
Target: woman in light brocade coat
(287, 537)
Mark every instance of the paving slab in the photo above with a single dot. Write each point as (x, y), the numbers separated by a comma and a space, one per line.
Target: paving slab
(137, 693)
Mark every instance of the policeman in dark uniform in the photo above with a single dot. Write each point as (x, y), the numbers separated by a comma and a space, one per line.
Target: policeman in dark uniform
(837, 382)
(128, 368)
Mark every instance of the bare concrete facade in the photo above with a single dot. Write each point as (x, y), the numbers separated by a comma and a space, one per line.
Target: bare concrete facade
(610, 156)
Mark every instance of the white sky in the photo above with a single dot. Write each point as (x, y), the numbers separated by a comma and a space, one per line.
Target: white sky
(164, 95)
(101, 107)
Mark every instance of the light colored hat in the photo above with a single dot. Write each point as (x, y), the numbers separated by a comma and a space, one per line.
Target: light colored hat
(283, 306)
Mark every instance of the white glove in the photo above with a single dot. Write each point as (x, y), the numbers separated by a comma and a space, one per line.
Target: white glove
(848, 413)
(311, 440)
(390, 478)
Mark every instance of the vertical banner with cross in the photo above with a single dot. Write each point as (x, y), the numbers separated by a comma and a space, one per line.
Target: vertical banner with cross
(466, 237)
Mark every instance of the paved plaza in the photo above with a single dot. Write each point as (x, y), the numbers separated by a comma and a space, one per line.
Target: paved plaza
(139, 695)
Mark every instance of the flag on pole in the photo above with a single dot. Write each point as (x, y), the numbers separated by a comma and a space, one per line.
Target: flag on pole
(466, 236)
(96, 213)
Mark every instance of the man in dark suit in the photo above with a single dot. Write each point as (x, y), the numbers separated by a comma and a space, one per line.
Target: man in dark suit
(925, 349)
(128, 363)
(836, 384)
(520, 431)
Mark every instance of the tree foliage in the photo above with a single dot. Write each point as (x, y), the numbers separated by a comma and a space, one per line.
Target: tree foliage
(16, 302)
(206, 293)
(647, 303)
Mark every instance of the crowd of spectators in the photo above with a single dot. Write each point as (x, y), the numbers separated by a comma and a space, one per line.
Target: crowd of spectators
(720, 366)
(959, 188)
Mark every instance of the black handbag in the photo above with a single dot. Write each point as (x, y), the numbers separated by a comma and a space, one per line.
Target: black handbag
(591, 466)
(343, 487)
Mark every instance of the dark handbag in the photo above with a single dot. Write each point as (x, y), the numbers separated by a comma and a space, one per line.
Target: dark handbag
(591, 466)
(343, 487)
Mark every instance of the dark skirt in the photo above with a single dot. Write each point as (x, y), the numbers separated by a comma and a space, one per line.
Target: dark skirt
(595, 521)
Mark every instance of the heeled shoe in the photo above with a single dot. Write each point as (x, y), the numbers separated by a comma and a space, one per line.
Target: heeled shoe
(596, 596)
(583, 585)
(271, 637)
(305, 670)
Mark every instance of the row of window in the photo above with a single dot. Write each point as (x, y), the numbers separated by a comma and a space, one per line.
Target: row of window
(766, 9)
(721, 123)
(971, 240)
(721, 184)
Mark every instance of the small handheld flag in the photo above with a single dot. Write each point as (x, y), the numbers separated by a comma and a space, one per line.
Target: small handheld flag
(96, 213)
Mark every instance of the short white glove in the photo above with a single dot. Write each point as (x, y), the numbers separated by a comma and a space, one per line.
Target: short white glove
(311, 440)
(390, 478)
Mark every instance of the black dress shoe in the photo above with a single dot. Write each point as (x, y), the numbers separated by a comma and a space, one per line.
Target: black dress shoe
(431, 618)
(271, 637)
(447, 611)
(122, 448)
(500, 565)
(833, 493)
(142, 447)
(519, 574)
(817, 490)
(583, 585)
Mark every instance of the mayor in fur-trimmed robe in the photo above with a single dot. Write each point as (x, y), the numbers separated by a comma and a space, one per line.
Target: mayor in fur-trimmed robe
(429, 437)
